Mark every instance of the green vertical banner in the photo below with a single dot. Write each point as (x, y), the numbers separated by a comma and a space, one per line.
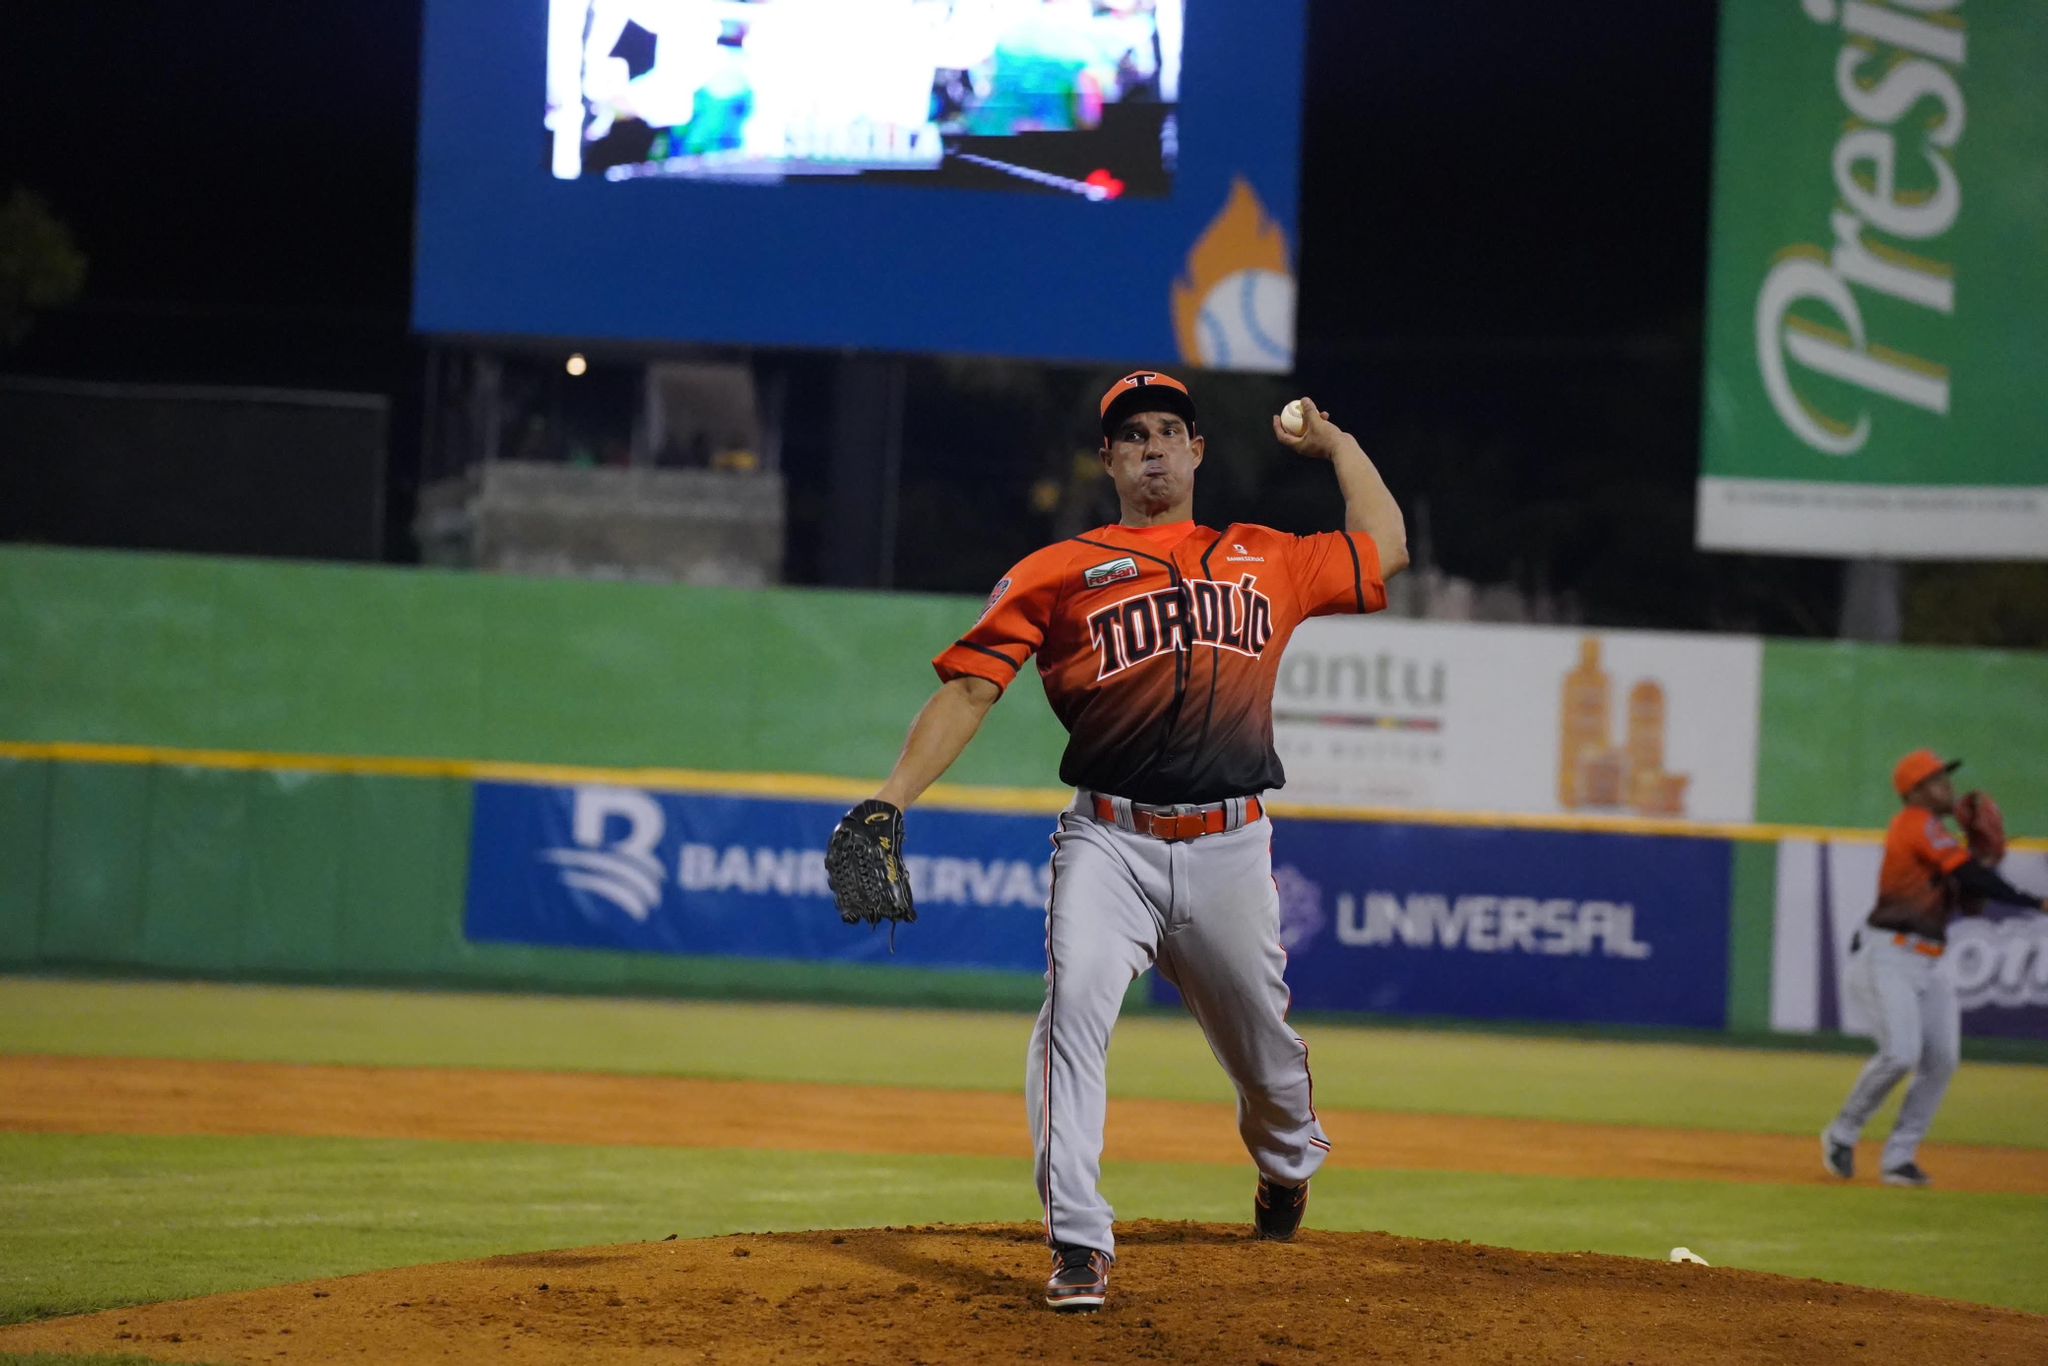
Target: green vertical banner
(1877, 317)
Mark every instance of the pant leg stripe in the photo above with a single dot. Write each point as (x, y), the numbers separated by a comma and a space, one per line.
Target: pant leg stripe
(1052, 978)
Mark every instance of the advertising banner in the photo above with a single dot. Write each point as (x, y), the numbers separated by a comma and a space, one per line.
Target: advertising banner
(1998, 961)
(1877, 314)
(1384, 918)
(1502, 924)
(1526, 719)
(661, 872)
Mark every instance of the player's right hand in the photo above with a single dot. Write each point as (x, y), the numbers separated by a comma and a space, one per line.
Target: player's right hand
(1317, 438)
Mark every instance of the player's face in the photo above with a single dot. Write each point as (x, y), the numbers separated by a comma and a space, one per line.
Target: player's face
(1152, 459)
(1940, 793)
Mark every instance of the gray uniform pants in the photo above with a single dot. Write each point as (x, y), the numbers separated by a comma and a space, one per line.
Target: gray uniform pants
(1912, 1002)
(1206, 912)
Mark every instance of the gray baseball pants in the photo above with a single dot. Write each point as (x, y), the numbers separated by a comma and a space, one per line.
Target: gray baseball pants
(1911, 1000)
(1206, 913)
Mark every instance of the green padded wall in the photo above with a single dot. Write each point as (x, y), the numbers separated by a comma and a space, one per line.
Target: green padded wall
(1836, 717)
(253, 655)
(331, 878)
(185, 869)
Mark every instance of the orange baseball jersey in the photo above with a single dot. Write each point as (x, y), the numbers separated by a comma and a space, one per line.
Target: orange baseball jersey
(1912, 886)
(1159, 646)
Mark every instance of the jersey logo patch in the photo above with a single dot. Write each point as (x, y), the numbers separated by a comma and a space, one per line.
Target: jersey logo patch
(1222, 616)
(995, 596)
(1116, 571)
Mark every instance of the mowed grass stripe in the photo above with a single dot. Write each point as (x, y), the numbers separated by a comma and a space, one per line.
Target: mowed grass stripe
(171, 1097)
(1158, 1057)
(93, 1223)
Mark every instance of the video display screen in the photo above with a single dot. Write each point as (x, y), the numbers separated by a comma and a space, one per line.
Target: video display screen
(1086, 180)
(1044, 96)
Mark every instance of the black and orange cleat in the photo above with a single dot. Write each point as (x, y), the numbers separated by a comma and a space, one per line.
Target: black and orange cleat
(1080, 1280)
(1277, 1209)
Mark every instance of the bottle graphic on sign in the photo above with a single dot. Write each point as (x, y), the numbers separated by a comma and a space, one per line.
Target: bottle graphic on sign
(1651, 790)
(1591, 770)
(1583, 725)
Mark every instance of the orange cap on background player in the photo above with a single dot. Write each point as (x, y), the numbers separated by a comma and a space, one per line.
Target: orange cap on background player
(1145, 391)
(1917, 767)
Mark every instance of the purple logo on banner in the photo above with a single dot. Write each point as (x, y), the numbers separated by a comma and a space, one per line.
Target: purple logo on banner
(659, 872)
(1506, 924)
(1999, 962)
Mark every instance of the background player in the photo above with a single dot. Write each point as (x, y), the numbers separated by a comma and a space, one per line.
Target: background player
(1158, 642)
(1895, 967)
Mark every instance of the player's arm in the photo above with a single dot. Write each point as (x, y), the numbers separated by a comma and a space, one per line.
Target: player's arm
(1974, 879)
(973, 672)
(938, 737)
(1369, 505)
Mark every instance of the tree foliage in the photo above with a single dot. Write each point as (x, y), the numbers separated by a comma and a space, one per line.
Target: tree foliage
(41, 265)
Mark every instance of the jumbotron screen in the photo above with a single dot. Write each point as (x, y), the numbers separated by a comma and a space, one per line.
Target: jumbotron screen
(1056, 179)
(986, 94)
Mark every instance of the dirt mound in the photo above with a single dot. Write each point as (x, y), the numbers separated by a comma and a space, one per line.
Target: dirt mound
(1180, 1293)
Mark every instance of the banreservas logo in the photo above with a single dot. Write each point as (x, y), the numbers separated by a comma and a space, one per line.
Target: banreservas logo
(945, 880)
(616, 857)
(625, 871)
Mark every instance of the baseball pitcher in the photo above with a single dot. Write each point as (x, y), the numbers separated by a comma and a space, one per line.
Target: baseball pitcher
(1158, 642)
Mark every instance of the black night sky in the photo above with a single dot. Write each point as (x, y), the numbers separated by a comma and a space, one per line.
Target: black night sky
(1502, 256)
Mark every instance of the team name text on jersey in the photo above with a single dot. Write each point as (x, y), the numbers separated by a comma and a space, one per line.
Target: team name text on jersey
(1223, 616)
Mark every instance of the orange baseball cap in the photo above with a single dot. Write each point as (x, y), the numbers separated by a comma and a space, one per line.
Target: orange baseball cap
(1917, 767)
(1145, 391)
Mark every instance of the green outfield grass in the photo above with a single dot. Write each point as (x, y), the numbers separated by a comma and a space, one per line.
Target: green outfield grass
(96, 1222)
(93, 1223)
(1155, 1056)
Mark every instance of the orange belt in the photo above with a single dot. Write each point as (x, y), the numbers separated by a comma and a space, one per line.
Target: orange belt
(1188, 826)
(1924, 947)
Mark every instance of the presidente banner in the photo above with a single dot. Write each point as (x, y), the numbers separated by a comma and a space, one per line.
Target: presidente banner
(1877, 314)
(1532, 720)
(1998, 961)
(664, 872)
(1502, 924)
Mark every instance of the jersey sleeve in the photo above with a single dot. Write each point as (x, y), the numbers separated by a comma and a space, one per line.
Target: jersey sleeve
(1932, 844)
(1010, 629)
(1337, 571)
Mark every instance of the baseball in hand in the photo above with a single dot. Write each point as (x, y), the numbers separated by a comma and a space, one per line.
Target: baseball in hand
(1291, 419)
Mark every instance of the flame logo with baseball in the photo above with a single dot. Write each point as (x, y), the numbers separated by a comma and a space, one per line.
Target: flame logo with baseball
(1233, 309)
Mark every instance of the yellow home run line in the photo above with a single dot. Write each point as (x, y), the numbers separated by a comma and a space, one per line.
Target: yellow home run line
(948, 795)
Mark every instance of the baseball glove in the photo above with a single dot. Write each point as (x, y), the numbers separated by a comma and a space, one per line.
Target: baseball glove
(1984, 830)
(864, 866)
(1983, 826)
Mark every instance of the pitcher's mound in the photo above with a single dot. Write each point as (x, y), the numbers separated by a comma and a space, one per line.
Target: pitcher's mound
(1179, 1293)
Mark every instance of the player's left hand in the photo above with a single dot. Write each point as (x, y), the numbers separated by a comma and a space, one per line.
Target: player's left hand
(1317, 438)
(864, 866)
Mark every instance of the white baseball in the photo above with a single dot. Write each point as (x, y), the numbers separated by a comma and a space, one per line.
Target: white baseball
(1291, 419)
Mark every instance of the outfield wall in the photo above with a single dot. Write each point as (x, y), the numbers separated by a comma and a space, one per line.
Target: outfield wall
(205, 847)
